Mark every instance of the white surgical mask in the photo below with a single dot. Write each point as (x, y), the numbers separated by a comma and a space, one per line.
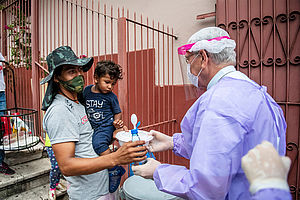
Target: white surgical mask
(192, 77)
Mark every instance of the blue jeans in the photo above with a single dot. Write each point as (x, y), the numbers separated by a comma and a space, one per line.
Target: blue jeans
(2, 107)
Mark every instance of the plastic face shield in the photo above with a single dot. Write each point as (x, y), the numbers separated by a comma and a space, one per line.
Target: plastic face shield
(185, 54)
(191, 92)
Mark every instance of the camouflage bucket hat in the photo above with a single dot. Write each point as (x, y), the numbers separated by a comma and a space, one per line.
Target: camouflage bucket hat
(64, 55)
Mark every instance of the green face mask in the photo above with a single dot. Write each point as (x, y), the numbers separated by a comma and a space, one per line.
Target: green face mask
(74, 85)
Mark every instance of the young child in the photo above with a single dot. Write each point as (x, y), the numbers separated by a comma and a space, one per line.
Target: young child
(104, 113)
(55, 174)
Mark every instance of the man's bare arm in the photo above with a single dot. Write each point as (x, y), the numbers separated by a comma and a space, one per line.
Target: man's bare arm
(71, 166)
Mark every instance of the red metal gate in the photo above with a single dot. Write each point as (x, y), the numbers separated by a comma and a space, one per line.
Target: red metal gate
(267, 33)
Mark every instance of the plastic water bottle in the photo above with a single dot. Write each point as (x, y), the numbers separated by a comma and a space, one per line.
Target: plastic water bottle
(135, 137)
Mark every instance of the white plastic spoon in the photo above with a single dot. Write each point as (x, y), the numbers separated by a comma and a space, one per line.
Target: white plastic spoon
(134, 120)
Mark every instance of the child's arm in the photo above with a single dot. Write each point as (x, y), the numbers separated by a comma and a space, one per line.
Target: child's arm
(118, 122)
(124, 128)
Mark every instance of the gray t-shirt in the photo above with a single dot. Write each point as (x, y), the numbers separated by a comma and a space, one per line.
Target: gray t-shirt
(66, 121)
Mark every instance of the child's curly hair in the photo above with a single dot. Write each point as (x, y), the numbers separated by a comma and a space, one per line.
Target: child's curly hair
(108, 67)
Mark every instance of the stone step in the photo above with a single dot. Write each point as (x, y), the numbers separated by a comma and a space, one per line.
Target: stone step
(17, 157)
(28, 176)
(40, 193)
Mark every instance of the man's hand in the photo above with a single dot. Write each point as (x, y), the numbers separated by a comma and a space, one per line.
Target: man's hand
(160, 142)
(74, 166)
(146, 170)
(264, 168)
(118, 123)
(129, 152)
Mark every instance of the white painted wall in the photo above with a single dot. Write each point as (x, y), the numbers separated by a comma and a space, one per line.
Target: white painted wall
(179, 14)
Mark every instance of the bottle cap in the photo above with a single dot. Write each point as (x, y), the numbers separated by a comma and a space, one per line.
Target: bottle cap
(134, 131)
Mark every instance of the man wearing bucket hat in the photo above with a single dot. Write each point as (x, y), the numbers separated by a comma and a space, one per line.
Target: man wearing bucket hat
(70, 132)
(225, 122)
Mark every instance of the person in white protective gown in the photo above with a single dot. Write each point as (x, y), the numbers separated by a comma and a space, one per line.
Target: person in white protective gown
(233, 116)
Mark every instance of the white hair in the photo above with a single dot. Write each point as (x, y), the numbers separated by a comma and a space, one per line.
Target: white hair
(227, 55)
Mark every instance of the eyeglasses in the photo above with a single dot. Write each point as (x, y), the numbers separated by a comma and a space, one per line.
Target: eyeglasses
(187, 58)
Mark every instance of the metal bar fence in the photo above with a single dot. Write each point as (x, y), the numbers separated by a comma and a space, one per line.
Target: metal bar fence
(149, 82)
(17, 49)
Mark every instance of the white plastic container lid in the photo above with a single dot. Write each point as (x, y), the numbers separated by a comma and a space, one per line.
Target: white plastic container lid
(125, 136)
(139, 188)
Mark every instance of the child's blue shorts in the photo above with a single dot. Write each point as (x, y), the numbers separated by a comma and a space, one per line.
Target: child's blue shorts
(102, 138)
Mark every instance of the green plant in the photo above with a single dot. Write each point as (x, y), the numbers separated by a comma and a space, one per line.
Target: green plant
(19, 32)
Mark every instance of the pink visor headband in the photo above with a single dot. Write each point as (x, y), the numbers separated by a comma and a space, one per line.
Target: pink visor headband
(183, 49)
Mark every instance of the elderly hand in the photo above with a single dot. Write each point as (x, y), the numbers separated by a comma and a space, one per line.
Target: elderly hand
(160, 142)
(264, 168)
(146, 170)
(129, 152)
